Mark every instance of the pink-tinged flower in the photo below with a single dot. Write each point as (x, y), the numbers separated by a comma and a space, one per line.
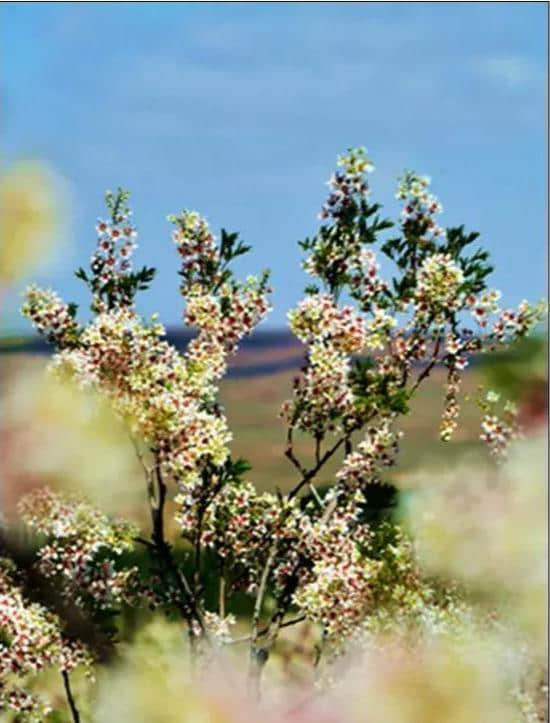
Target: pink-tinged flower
(50, 316)
(102, 227)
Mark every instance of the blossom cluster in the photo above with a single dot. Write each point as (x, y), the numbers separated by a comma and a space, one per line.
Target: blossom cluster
(323, 394)
(196, 245)
(150, 385)
(339, 241)
(237, 524)
(437, 280)
(379, 448)
(111, 261)
(81, 549)
(512, 325)
(335, 586)
(346, 183)
(438, 284)
(219, 628)
(421, 206)
(449, 419)
(379, 329)
(499, 430)
(223, 310)
(498, 433)
(50, 316)
(483, 305)
(222, 322)
(161, 393)
(31, 640)
(318, 319)
(364, 281)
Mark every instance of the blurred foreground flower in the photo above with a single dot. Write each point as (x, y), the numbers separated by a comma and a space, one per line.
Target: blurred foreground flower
(30, 213)
(54, 433)
(489, 529)
(448, 679)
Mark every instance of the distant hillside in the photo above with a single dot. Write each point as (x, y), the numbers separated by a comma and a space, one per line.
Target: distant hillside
(265, 352)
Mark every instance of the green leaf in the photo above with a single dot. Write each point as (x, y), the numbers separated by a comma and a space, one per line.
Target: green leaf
(72, 308)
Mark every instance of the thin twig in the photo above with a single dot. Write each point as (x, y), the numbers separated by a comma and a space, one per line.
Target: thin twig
(429, 368)
(264, 631)
(258, 656)
(198, 552)
(139, 455)
(221, 596)
(157, 499)
(329, 510)
(315, 495)
(261, 593)
(310, 474)
(289, 451)
(70, 700)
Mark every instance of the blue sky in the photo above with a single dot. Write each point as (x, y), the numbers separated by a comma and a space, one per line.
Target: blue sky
(239, 110)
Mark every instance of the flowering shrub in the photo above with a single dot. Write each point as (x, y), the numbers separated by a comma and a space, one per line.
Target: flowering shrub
(307, 555)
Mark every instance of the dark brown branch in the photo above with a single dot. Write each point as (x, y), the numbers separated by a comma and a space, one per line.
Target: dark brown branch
(289, 451)
(198, 553)
(187, 604)
(70, 700)
(310, 474)
(428, 369)
(158, 499)
(347, 447)
(142, 541)
(318, 440)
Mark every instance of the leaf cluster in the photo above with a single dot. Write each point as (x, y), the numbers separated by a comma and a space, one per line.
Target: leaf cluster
(375, 392)
(410, 250)
(356, 225)
(116, 292)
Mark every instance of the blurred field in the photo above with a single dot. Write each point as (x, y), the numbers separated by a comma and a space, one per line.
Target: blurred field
(252, 401)
(252, 405)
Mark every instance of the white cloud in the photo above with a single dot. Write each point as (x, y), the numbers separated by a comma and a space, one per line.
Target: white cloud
(513, 72)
